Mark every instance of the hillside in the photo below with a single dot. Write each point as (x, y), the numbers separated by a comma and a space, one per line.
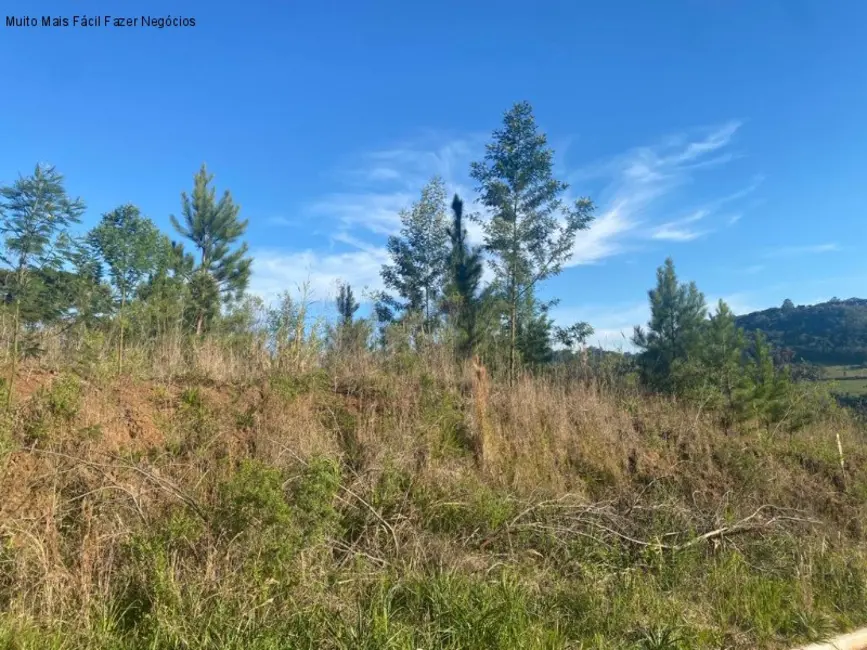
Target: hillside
(828, 333)
(402, 502)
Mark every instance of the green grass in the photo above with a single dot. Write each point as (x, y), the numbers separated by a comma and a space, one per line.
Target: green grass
(850, 386)
(846, 380)
(335, 532)
(844, 372)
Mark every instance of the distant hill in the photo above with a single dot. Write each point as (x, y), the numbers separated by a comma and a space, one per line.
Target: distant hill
(828, 333)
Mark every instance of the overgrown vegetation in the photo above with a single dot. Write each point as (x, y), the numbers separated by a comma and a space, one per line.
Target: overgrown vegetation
(183, 466)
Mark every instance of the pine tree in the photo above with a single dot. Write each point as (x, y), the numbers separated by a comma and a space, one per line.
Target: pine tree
(163, 295)
(419, 258)
(669, 345)
(214, 228)
(36, 213)
(530, 233)
(128, 244)
(770, 385)
(722, 360)
(462, 302)
(533, 340)
(349, 334)
(346, 304)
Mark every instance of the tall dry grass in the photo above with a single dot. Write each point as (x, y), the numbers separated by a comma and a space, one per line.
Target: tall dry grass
(215, 496)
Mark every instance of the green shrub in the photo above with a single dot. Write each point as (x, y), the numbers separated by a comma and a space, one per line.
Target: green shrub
(313, 498)
(253, 498)
(473, 509)
(291, 386)
(52, 408)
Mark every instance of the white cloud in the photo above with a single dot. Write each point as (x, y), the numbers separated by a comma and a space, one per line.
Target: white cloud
(717, 139)
(613, 325)
(797, 251)
(275, 272)
(377, 212)
(376, 186)
(669, 232)
(676, 231)
(640, 179)
(389, 180)
(698, 215)
(602, 239)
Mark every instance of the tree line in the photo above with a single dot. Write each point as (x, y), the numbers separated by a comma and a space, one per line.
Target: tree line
(54, 277)
(126, 276)
(828, 333)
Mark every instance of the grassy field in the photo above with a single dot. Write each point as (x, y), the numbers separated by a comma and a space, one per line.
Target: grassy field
(406, 504)
(847, 380)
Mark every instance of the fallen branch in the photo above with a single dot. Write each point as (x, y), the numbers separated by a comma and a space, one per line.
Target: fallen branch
(747, 524)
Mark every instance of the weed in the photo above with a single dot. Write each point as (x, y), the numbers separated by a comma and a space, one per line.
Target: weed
(52, 408)
(334, 536)
(663, 637)
(291, 386)
(253, 498)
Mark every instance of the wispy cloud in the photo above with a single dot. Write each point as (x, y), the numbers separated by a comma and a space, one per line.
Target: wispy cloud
(377, 212)
(680, 230)
(604, 238)
(798, 251)
(670, 232)
(276, 271)
(630, 189)
(388, 180)
(379, 184)
(637, 182)
(613, 325)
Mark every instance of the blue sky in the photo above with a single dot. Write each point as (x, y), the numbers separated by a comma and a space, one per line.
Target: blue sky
(728, 134)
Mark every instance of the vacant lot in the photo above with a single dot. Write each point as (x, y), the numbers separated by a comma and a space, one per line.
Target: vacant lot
(397, 506)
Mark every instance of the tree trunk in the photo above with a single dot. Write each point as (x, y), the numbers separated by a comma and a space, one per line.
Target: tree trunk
(14, 367)
(513, 338)
(513, 294)
(16, 326)
(120, 338)
(200, 323)
(299, 339)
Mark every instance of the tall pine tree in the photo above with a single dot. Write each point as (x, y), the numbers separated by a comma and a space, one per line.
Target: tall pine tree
(770, 384)
(530, 233)
(349, 334)
(214, 228)
(673, 335)
(462, 301)
(347, 305)
(722, 355)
